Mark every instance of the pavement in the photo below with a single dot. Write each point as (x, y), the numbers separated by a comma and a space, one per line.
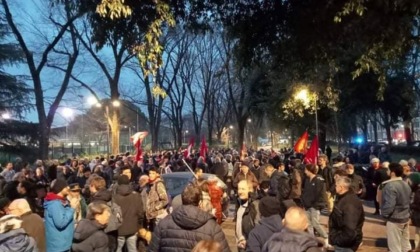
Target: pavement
(374, 230)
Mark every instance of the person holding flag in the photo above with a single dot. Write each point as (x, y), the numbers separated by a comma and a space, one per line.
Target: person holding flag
(136, 139)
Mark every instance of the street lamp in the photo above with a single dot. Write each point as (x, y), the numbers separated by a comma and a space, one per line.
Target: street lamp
(303, 95)
(229, 134)
(185, 133)
(6, 116)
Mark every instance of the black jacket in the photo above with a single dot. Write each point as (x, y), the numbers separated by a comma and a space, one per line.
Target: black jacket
(327, 175)
(132, 210)
(346, 221)
(291, 241)
(357, 184)
(89, 236)
(184, 228)
(415, 207)
(250, 218)
(101, 196)
(262, 232)
(313, 195)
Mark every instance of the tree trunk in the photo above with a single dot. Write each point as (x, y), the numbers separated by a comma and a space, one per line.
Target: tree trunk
(322, 136)
(115, 132)
(388, 129)
(44, 136)
(375, 129)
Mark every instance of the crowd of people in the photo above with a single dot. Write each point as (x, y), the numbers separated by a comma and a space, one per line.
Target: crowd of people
(119, 204)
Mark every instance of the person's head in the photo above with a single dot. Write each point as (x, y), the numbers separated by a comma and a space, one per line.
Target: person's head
(349, 169)
(96, 184)
(396, 170)
(39, 172)
(412, 162)
(244, 188)
(295, 219)
(143, 180)
(19, 207)
(191, 195)
(4, 206)
(282, 167)
(9, 166)
(126, 170)
(375, 163)
(153, 174)
(203, 184)
(322, 160)
(198, 172)
(123, 180)
(310, 170)
(340, 173)
(342, 185)
(25, 187)
(347, 160)
(244, 169)
(60, 187)
(414, 180)
(99, 212)
(207, 246)
(87, 172)
(256, 162)
(74, 190)
(269, 206)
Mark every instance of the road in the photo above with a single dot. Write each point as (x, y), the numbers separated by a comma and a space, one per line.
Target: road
(374, 231)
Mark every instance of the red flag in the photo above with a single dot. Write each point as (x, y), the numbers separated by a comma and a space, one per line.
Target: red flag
(203, 148)
(136, 139)
(302, 144)
(312, 156)
(188, 151)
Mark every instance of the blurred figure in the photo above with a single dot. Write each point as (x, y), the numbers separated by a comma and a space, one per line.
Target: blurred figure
(375, 176)
(357, 184)
(32, 223)
(89, 234)
(77, 202)
(414, 182)
(207, 246)
(8, 172)
(13, 237)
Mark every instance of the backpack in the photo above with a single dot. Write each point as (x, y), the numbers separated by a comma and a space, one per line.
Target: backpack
(116, 217)
(284, 187)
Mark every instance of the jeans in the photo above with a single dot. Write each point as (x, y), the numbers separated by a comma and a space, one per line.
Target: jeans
(131, 242)
(340, 249)
(313, 218)
(398, 237)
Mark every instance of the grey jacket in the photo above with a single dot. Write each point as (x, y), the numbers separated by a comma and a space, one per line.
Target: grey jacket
(396, 200)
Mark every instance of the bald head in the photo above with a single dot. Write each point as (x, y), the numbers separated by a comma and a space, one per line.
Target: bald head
(19, 207)
(295, 219)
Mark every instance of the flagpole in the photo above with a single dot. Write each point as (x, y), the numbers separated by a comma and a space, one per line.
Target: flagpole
(189, 168)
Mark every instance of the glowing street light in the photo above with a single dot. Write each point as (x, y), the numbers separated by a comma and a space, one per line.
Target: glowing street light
(303, 95)
(67, 112)
(92, 100)
(6, 116)
(116, 103)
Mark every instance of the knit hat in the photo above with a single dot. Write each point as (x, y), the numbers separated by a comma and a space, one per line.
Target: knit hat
(123, 180)
(269, 206)
(415, 178)
(58, 185)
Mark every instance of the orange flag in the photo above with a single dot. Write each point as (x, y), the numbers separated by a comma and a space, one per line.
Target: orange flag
(302, 144)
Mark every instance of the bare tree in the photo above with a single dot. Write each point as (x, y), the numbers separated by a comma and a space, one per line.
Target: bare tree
(70, 55)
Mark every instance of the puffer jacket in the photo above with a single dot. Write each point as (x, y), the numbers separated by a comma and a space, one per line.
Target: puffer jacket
(89, 236)
(184, 228)
(396, 200)
(262, 232)
(132, 210)
(346, 221)
(291, 241)
(17, 240)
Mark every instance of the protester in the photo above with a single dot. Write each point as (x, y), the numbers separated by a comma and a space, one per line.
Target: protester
(77, 202)
(89, 234)
(292, 236)
(32, 223)
(186, 226)
(13, 237)
(8, 173)
(395, 209)
(157, 200)
(326, 172)
(357, 184)
(347, 218)
(59, 218)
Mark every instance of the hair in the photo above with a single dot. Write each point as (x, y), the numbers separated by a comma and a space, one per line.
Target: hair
(98, 182)
(323, 156)
(203, 184)
(191, 195)
(341, 173)
(344, 181)
(311, 168)
(96, 208)
(207, 246)
(396, 168)
(197, 170)
(349, 166)
(152, 169)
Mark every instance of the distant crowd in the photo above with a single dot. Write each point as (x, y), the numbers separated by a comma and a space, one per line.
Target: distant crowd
(119, 204)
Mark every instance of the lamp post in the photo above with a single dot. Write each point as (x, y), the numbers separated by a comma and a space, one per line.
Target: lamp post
(303, 95)
(229, 134)
(185, 133)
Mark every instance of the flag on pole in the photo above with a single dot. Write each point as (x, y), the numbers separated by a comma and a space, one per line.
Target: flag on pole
(188, 151)
(311, 156)
(302, 144)
(203, 148)
(136, 139)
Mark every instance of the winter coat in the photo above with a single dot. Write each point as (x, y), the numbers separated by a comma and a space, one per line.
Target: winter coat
(291, 241)
(34, 226)
(395, 205)
(59, 223)
(184, 228)
(357, 184)
(157, 200)
(132, 210)
(89, 236)
(220, 171)
(262, 232)
(327, 175)
(17, 240)
(415, 208)
(216, 195)
(250, 218)
(249, 176)
(297, 180)
(346, 221)
(313, 193)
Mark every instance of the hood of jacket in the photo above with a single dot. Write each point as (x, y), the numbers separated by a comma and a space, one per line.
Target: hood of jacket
(290, 241)
(102, 195)
(124, 190)
(16, 240)
(85, 229)
(190, 217)
(273, 223)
